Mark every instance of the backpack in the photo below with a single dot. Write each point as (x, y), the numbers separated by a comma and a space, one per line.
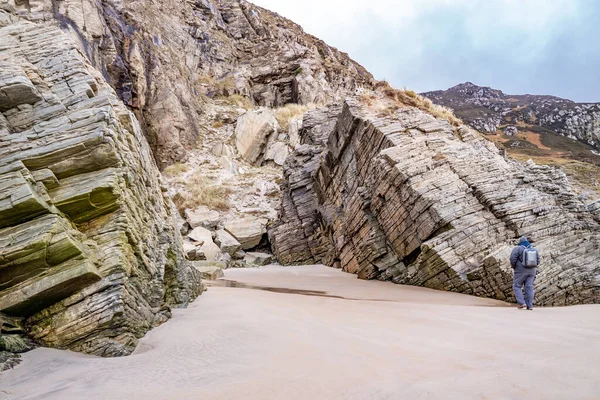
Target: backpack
(530, 257)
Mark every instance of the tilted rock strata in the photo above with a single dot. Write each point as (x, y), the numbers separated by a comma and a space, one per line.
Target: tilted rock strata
(408, 199)
(89, 256)
(163, 58)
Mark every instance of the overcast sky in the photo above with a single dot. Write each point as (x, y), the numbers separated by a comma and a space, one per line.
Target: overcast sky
(518, 46)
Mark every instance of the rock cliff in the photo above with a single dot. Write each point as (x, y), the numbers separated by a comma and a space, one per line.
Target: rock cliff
(408, 198)
(90, 259)
(166, 59)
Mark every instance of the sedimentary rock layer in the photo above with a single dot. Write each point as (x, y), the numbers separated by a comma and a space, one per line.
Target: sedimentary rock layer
(408, 198)
(89, 257)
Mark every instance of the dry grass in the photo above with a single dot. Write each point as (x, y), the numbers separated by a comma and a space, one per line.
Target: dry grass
(410, 98)
(202, 191)
(288, 112)
(224, 86)
(176, 169)
(238, 101)
(367, 99)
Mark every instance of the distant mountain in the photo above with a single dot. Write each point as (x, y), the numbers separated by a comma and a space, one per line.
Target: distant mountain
(547, 129)
(490, 111)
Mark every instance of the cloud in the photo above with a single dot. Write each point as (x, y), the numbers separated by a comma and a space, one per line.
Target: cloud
(518, 46)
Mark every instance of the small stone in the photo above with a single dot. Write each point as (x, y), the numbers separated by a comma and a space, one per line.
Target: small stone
(255, 258)
(210, 270)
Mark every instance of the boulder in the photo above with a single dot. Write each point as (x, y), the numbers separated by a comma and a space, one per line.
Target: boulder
(253, 133)
(200, 235)
(511, 130)
(210, 270)
(277, 152)
(248, 231)
(258, 259)
(193, 252)
(15, 87)
(226, 242)
(211, 251)
(202, 217)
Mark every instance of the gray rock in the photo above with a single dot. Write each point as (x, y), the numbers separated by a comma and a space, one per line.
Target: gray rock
(202, 217)
(227, 242)
(253, 133)
(200, 235)
(259, 259)
(248, 231)
(511, 130)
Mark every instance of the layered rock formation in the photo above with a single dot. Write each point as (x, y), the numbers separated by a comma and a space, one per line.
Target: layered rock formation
(166, 59)
(89, 256)
(489, 110)
(407, 198)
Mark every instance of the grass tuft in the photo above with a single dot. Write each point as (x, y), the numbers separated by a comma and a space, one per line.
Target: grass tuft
(288, 112)
(176, 169)
(411, 98)
(202, 191)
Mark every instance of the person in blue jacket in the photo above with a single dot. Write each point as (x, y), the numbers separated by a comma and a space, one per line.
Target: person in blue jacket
(523, 275)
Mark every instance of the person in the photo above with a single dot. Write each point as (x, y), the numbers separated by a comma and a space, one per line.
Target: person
(523, 275)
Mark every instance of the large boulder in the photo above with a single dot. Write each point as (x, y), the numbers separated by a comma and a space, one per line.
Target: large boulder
(254, 132)
(248, 231)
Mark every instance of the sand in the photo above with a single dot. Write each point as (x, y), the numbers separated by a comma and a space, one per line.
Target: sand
(356, 340)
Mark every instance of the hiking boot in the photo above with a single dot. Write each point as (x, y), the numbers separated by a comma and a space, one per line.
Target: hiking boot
(522, 306)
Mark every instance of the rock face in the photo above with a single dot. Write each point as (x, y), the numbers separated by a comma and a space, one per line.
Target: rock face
(409, 199)
(89, 256)
(487, 110)
(164, 59)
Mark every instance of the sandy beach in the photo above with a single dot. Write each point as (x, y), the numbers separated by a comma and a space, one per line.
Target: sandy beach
(317, 333)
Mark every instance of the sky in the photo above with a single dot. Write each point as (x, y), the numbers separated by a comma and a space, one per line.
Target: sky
(517, 46)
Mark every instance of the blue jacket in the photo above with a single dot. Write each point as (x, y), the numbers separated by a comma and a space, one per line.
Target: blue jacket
(516, 257)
